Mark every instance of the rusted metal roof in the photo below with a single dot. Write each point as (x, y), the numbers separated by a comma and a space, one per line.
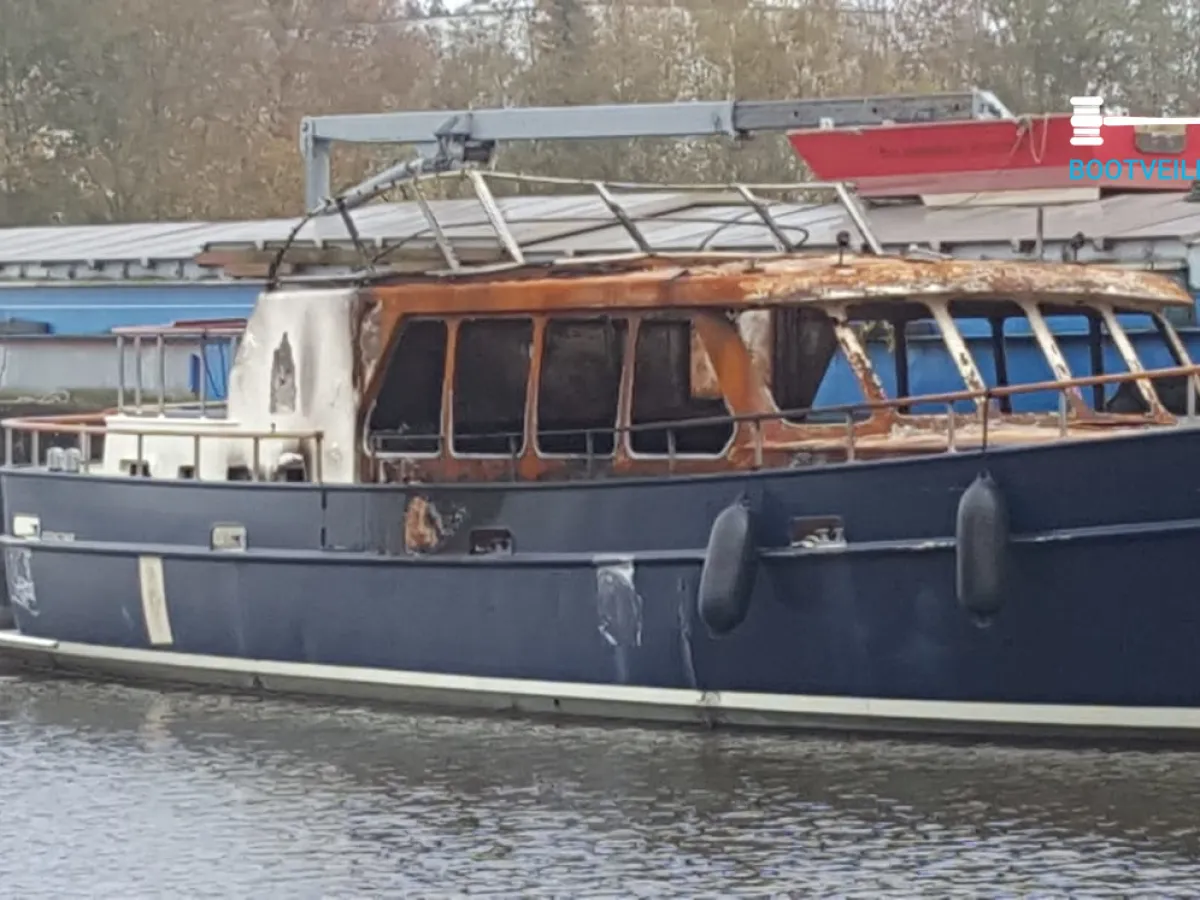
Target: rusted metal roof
(1142, 230)
(818, 279)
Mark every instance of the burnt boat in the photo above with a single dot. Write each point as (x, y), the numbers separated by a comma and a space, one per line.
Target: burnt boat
(596, 486)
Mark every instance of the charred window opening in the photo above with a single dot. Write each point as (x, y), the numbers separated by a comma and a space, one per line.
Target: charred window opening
(1152, 349)
(580, 385)
(662, 392)
(811, 371)
(407, 416)
(804, 346)
(491, 380)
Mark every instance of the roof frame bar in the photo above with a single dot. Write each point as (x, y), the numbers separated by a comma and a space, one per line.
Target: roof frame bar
(449, 138)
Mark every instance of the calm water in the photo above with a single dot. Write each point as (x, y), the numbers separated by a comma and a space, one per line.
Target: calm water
(123, 793)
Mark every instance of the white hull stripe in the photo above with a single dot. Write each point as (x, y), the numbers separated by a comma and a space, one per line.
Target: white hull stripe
(618, 701)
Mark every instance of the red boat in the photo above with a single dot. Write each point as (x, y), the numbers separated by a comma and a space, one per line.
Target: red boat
(1019, 159)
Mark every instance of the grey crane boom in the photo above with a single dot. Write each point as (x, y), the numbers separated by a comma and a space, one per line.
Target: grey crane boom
(449, 136)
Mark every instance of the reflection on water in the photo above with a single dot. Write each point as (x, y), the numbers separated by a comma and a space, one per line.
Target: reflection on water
(123, 793)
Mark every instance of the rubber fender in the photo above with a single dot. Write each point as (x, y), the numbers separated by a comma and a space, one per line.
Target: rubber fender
(730, 566)
(981, 536)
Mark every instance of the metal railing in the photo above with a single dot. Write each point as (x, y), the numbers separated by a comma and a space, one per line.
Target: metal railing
(137, 338)
(495, 238)
(85, 427)
(848, 415)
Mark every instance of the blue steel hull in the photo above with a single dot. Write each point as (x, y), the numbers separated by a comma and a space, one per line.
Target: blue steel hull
(601, 589)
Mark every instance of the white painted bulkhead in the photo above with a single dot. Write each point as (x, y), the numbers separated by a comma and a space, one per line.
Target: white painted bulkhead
(293, 373)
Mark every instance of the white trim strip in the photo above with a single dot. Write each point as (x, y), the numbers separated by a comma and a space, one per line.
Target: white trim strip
(615, 701)
(154, 600)
(19, 641)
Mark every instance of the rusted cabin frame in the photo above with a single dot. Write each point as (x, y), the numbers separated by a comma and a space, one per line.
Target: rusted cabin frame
(1178, 347)
(743, 390)
(530, 462)
(703, 294)
(1032, 309)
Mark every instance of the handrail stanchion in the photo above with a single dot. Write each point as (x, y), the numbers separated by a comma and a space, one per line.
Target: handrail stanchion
(161, 353)
(203, 375)
(137, 381)
(121, 373)
(987, 412)
(1191, 401)
(83, 425)
(85, 449)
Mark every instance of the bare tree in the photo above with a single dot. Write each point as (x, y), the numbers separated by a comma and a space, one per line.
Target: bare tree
(117, 110)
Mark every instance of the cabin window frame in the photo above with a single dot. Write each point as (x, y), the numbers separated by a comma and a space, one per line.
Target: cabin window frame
(1176, 343)
(441, 437)
(847, 346)
(1034, 310)
(1043, 335)
(851, 346)
(1166, 333)
(537, 327)
(956, 347)
(620, 426)
(635, 327)
(1129, 354)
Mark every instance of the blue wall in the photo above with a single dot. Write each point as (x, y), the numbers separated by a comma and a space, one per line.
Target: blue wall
(96, 309)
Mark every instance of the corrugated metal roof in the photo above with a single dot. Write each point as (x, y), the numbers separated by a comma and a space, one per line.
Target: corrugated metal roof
(1134, 228)
(166, 250)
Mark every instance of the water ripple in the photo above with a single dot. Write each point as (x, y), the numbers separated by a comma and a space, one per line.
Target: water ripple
(123, 793)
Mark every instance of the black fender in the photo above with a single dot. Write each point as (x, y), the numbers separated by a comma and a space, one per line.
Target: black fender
(982, 548)
(730, 567)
